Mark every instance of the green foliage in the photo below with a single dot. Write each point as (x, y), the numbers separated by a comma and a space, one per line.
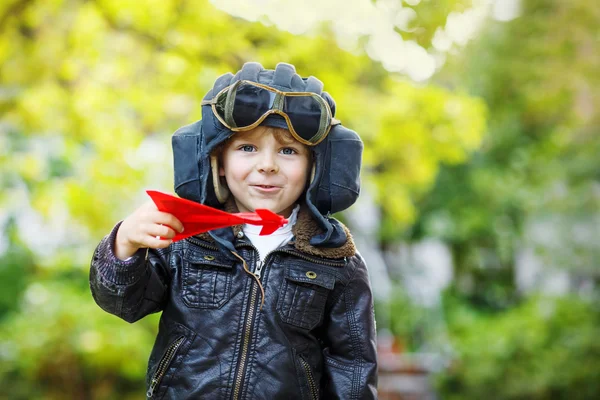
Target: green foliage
(535, 169)
(419, 130)
(15, 269)
(535, 165)
(61, 345)
(416, 328)
(545, 348)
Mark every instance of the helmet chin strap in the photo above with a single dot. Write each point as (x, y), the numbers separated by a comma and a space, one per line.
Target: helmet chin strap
(221, 190)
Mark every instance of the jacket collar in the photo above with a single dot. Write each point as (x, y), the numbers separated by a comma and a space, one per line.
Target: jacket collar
(304, 229)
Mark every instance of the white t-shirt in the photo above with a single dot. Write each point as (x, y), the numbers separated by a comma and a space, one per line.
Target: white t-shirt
(267, 243)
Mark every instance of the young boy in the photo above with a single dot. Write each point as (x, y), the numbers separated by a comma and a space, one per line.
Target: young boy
(283, 316)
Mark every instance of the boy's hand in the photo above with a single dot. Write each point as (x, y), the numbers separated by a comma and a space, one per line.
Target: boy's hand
(144, 228)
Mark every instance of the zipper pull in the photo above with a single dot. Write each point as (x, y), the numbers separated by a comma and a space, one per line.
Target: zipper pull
(150, 391)
(258, 269)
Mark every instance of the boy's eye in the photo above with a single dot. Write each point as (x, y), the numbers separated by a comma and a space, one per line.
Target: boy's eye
(288, 150)
(246, 147)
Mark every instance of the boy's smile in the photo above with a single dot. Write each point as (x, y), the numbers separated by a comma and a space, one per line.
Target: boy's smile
(265, 169)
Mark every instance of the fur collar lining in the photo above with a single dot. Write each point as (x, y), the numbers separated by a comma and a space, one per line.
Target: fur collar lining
(304, 229)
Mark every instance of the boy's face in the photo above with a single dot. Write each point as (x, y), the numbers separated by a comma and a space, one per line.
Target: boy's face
(265, 170)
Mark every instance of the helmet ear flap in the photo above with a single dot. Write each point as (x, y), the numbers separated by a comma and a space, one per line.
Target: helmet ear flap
(219, 184)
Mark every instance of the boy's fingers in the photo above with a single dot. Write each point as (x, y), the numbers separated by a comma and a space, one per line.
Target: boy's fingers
(162, 231)
(170, 220)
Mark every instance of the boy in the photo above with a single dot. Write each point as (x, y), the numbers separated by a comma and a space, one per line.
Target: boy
(283, 316)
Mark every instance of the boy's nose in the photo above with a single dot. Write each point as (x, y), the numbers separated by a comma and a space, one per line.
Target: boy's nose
(267, 164)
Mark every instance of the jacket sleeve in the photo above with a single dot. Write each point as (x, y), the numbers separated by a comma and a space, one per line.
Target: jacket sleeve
(350, 351)
(132, 288)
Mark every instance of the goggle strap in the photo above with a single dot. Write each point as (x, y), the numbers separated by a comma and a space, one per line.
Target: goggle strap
(324, 121)
(323, 128)
(278, 101)
(229, 103)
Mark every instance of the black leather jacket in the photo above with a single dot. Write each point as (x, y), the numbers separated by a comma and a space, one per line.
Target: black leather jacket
(314, 337)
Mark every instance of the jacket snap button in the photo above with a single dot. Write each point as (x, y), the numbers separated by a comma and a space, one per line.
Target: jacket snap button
(209, 258)
(311, 274)
(240, 234)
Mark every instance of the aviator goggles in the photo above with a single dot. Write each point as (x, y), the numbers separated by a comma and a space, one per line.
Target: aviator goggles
(245, 104)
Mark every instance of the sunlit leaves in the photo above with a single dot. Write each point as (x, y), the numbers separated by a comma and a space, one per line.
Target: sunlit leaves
(419, 129)
(113, 72)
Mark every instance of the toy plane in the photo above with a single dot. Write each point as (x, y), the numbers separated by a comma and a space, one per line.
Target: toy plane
(197, 218)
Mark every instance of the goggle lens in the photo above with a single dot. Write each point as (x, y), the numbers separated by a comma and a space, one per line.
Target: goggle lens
(250, 103)
(306, 114)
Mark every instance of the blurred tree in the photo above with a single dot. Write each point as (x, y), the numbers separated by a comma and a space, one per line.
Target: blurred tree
(538, 162)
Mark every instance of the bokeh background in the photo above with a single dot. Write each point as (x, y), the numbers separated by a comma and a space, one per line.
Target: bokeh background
(480, 209)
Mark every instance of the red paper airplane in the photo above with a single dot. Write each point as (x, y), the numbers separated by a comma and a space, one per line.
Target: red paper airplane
(197, 218)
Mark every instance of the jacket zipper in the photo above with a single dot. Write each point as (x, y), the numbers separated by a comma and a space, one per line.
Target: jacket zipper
(163, 365)
(261, 264)
(314, 393)
(258, 269)
(243, 360)
(252, 307)
(242, 363)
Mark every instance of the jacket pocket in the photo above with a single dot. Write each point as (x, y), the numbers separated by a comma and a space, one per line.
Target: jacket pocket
(167, 355)
(206, 279)
(303, 295)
